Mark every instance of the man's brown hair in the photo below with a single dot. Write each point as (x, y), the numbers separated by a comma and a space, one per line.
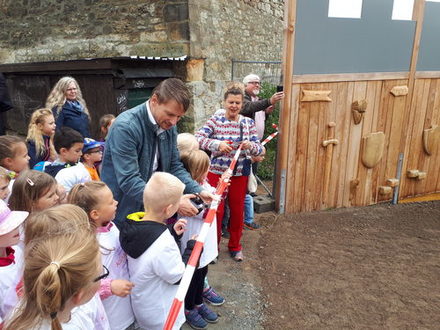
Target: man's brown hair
(173, 89)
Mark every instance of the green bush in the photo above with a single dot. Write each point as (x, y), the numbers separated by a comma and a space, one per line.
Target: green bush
(266, 168)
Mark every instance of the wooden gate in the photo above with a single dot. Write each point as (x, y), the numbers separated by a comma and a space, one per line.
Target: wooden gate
(342, 133)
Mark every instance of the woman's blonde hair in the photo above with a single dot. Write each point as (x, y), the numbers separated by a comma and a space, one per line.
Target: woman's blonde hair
(34, 133)
(30, 186)
(57, 96)
(196, 163)
(86, 195)
(57, 266)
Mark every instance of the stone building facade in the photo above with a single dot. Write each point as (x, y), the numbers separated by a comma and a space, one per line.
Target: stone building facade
(210, 33)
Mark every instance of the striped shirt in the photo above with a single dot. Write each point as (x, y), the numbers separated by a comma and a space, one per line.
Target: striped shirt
(218, 129)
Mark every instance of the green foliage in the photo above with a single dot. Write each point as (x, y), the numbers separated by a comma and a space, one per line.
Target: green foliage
(266, 169)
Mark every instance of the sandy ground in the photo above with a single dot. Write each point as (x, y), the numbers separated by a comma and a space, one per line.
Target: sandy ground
(374, 267)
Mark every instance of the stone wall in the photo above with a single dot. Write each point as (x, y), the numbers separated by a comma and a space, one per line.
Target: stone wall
(210, 32)
(52, 30)
(222, 30)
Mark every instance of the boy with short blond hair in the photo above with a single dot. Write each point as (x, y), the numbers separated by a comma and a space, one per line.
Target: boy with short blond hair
(154, 261)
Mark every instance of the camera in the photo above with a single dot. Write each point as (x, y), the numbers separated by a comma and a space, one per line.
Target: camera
(279, 88)
(198, 203)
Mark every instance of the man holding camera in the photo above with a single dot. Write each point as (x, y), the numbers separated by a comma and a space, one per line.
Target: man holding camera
(254, 107)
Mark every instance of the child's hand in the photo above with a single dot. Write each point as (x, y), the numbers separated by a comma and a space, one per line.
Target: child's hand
(121, 288)
(179, 226)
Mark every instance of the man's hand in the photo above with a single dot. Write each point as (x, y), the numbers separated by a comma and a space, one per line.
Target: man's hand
(269, 110)
(121, 288)
(186, 208)
(179, 226)
(277, 97)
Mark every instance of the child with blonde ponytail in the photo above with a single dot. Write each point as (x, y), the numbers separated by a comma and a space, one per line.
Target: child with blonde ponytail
(62, 273)
(40, 137)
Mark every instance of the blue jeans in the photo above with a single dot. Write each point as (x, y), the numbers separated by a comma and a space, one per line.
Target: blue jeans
(248, 209)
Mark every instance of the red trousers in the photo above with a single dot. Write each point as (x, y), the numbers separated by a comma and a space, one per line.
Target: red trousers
(236, 193)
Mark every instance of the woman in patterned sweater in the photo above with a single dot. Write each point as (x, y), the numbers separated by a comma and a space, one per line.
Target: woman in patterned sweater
(221, 135)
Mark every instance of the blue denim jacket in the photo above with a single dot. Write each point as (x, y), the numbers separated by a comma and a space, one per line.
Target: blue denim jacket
(129, 155)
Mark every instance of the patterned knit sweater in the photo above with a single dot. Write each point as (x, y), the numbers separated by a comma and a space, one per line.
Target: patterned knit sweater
(218, 129)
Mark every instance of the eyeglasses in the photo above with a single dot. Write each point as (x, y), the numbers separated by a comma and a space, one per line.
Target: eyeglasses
(254, 82)
(94, 152)
(103, 276)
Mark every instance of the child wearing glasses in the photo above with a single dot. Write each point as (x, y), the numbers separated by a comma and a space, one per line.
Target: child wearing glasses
(92, 154)
(154, 260)
(96, 199)
(62, 273)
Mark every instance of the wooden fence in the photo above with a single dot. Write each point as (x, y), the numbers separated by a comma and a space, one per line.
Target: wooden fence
(342, 173)
(342, 134)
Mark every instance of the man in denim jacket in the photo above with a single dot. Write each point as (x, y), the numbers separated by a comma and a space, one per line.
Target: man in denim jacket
(141, 141)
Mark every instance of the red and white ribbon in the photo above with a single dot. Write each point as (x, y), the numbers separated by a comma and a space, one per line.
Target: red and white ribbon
(200, 241)
(270, 137)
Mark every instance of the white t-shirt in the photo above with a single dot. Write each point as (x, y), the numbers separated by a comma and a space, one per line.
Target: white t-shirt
(118, 309)
(154, 274)
(193, 226)
(70, 176)
(9, 277)
(87, 316)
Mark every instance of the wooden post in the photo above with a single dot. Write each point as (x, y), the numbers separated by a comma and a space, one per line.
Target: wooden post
(286, 105)
(418, 16)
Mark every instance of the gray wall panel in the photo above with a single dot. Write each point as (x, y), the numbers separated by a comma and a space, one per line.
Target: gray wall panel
(429, 56)
(374, 43)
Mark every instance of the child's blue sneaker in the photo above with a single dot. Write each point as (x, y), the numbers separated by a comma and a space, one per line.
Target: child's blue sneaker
(213, 297)
(207, 314)
(195, 320)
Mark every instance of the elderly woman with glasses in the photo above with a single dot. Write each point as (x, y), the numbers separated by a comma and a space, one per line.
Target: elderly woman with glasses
(68, 106)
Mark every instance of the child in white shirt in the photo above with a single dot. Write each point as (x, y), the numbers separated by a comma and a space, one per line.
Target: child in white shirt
(10, 271)
(96, 199)
(154, 260)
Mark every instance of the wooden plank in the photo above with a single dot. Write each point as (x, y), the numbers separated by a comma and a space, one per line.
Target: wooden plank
(364, 174)
(359, 92)
(373, 173)
(337, 114)
(343, 135)
(433, 184)
(427, 74)
(283, 140)
(386, 103)
(413, 144)
(312, 146)
(302, 135)
(338, 77)
(397, 116)
(323, 133)
(423, 159)
(291, 179)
